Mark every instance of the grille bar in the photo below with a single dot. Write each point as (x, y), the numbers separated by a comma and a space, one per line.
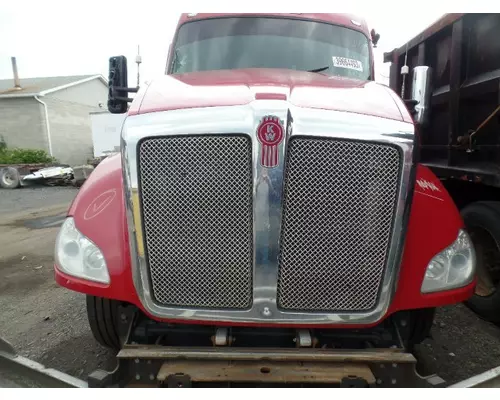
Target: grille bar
(339, 201)
(196, 194)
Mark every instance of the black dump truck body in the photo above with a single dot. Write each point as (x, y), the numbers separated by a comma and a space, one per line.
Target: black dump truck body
(460, 140)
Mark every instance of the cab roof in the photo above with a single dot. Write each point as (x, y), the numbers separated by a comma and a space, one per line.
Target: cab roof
(349, 20)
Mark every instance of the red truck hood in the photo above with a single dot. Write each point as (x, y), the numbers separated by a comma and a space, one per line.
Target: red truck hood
(239, 87)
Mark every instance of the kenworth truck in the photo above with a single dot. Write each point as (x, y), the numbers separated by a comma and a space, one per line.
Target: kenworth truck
(268, 220)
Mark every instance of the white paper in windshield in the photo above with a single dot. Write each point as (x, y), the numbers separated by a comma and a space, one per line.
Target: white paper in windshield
(348, 63)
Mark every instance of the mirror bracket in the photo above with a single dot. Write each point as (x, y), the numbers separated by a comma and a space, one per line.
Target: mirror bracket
(411, 105)
(421, 92)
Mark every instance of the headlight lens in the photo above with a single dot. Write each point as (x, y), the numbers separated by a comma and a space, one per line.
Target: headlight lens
(454, 267)
(78, 256)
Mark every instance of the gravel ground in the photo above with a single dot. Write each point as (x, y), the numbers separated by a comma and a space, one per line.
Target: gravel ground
(49, 324)
(462, 345)
(25, 198)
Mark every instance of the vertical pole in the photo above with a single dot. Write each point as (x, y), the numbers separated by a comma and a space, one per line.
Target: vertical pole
(17, 82)
(455, 80)
(421, 54)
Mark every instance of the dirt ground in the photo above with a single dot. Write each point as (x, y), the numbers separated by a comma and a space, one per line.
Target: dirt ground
(49, 324)
(41, 320)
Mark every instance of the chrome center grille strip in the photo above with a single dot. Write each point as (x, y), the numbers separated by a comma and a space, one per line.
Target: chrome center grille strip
(196, 195)
(339, 203)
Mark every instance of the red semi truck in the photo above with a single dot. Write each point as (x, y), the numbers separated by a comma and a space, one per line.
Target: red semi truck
(268, 220)
(459, 130)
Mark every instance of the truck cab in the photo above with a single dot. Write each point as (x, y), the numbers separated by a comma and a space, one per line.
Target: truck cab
(267, 209)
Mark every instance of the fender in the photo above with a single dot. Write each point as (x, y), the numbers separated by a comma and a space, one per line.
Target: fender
(99, 213)
(434, 224)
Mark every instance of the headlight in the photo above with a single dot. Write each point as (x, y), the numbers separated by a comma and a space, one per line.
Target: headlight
(454, 267)
(78, 256)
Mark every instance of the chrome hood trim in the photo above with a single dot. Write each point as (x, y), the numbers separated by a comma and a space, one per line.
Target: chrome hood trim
(245, 120)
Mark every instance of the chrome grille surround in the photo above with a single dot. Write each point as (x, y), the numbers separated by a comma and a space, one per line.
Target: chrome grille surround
(244, 120)
(196, 198)
(338, 211)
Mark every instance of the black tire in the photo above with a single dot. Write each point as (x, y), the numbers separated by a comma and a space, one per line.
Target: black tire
(103, 320)
(9, 178)
(482, 220)
(420, 326)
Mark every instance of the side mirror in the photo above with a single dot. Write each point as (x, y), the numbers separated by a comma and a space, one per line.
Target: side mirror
(118, 85)
(375, 37)
(421, 93)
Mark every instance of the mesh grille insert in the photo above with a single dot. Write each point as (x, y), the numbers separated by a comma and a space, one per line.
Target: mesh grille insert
(339, 201)
(196, 194)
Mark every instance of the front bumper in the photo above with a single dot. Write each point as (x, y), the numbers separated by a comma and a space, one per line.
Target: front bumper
(185, 367)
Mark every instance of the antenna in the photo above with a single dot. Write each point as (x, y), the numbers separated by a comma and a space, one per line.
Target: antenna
(404, 71)
(138, 61)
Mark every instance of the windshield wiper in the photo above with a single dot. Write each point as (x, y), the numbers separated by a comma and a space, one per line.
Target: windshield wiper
(319, 69)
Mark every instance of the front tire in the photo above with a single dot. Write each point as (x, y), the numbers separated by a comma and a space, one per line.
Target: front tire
(482, 220)
(421, 321)
(103, 320)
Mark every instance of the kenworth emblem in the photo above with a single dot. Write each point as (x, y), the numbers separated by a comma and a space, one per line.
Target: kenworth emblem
(270, 135)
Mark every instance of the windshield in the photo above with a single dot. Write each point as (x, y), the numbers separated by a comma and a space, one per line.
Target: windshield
(235, 43)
